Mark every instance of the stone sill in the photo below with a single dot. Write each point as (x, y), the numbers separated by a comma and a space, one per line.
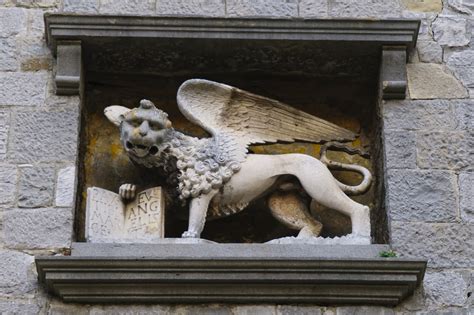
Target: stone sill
(234, 273)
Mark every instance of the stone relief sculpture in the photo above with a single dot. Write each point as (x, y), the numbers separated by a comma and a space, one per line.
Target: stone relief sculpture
(217, 175)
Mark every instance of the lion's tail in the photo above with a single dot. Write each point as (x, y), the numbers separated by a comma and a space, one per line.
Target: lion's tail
(367, 176)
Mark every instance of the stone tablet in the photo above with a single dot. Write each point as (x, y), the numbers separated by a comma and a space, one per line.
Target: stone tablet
(110, 220)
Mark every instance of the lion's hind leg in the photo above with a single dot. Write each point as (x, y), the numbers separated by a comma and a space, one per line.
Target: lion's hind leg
(290, 210)
(320, 184)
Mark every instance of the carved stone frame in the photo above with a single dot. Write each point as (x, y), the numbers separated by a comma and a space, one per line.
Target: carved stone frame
(230, 272)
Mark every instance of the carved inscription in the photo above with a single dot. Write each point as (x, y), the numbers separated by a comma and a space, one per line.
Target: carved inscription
(108, 219)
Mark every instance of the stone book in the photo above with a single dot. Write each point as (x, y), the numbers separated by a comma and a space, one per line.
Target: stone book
(111, 220)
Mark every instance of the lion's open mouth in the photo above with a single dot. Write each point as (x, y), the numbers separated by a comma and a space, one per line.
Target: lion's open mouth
(141, 150)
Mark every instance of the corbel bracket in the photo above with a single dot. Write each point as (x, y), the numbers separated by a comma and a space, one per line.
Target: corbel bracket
(393, 73)
(69, 67)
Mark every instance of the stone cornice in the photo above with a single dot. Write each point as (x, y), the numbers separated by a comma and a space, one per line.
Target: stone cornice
(230, 273)
(78, 27)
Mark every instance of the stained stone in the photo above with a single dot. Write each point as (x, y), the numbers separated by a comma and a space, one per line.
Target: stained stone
(423, 5)
(366, 310)
(298, 309)
(191, 7)
(429, 196)
(36, 187)
(129, 310)
(254, 309)
(431, 81)
(451, 30)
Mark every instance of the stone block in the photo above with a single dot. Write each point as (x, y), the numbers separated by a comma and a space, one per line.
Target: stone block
(16, 274)
(44, 136)
(419, 115)
(67, 309)
(299, 310)
(131, 309)
(121, 7)
(445, 288)
(12, 21)
(452, 150)
(423, 5)
(254, 309)
(8, 179)
(364, 9)
(422, 196)
(191, 7)
(203, 309)
(463, 6)
(14, 307)
(37, 3)
(466, 193)
(20, 88)
(36, 186)
(429, 51)
(263, 8)
(445, 245)
(4, 128)
(65, 187)
(462, 63)
(37, 228)
(8, 54)
(83, 6)
(465, 115)
(451, 31)
(365, 310)
(431, 81)
(36, 24)
(313, 9)
(400, 149)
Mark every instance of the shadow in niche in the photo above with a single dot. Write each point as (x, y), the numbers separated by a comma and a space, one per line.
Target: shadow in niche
(104, 164)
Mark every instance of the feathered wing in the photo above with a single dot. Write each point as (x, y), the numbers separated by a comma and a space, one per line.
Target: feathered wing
(249, 118)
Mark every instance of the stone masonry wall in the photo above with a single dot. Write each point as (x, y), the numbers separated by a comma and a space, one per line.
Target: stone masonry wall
(429, 142)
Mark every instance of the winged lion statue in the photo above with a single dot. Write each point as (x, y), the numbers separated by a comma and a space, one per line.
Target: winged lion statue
(217, 175)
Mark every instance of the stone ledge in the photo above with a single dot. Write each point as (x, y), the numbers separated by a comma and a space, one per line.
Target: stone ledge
(237, 273)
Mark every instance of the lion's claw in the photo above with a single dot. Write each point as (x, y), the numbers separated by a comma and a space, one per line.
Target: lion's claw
(189, 234)
(127, 191)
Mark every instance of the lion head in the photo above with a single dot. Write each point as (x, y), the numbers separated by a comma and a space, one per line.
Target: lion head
(142, 129)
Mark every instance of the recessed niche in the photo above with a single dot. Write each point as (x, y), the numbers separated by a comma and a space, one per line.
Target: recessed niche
(332, 81)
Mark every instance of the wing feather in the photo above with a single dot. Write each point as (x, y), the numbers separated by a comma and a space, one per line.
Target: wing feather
(250, 118)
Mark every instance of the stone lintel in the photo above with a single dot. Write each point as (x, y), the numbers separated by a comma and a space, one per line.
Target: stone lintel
(393, 72)
(235, 273)
(69, 67)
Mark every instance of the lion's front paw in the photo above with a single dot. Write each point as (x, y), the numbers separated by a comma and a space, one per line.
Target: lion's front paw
(189, 234)
(127, 191)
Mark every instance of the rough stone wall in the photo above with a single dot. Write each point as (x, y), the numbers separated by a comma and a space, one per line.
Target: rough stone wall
(429, 141)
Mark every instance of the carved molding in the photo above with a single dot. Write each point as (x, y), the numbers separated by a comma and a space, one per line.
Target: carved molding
(69, 67)
(236, 273)
(393, 73)
(62, 28)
